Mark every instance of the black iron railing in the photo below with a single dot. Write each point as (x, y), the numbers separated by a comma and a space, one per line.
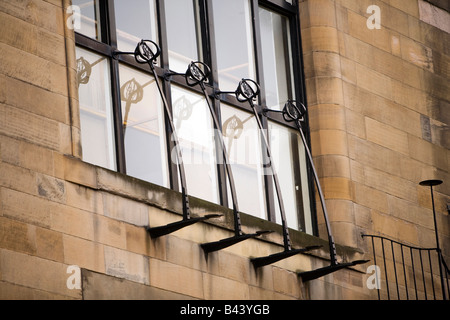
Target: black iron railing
(407, 272)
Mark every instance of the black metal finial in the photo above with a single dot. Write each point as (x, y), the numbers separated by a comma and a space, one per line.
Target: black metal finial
(248, 90)
(431, 183)
(197, 73)
(293, 112)
(147, 51)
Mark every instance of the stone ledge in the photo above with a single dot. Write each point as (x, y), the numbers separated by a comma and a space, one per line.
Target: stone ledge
(169, 200)
(97, 286)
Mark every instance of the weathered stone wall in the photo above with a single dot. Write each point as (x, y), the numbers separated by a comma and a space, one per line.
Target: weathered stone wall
(380, 106)
(379, 100)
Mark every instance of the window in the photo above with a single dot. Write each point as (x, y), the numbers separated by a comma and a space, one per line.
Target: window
(233, 40)
(277, 58)
(96, 109)
(143, 127)
(196, 134)
(135, 20)
(289, 160)
(123, 120)
(243, 143)
(183, 33)
(90, 18)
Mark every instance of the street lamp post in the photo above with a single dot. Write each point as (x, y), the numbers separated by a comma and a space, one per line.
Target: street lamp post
(431, 184)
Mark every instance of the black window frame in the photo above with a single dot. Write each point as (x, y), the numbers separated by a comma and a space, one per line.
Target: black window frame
(108, 44)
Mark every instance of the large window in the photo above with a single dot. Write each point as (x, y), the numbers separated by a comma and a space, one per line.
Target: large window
(96, 112)
(123, 120)
(142, 127)
(184, 36)
(233, 41)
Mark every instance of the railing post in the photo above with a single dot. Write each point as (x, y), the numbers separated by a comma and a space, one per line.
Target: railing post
(404, 272)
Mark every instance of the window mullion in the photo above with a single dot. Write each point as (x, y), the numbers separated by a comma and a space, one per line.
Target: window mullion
(109, 30)
(205, 34)
(164, 64)
(268, 183)
(208, 45)
(162, 34)
(257, 47)
(208, 20)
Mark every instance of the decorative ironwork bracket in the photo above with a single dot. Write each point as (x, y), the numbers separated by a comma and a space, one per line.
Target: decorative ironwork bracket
(264, 261)
(225, 243)
(147, 52)
(293, 113)
(157, 232)
(318, 273)
(248, 91)
(198, 74)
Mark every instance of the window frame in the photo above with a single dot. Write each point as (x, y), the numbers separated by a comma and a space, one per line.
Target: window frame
(107, 45)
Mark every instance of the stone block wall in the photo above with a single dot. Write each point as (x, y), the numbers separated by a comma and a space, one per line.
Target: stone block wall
(379, 105)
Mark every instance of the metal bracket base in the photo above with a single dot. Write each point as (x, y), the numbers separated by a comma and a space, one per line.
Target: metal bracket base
(315, 274)
(170, 228)
(225, 243)
(264, 261)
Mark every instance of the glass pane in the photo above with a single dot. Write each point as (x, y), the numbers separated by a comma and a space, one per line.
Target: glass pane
(195, 130)
(276, 53)
(135, 21)
(143, 119)
(90, 18)
(289, 161)
(183, 33)
(242, 139)
(234, 42)
(94, 87)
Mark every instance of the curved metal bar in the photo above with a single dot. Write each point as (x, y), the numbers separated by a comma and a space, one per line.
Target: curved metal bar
(332, 244)
(314, 274)
(144, 54)
(420, 251)
(263, 261)
(196, 76)
(247, 91)
(293, 113)
(396, 242)
(147, 52)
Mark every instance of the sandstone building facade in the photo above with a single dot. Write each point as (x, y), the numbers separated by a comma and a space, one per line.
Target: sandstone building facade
(74, 214)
